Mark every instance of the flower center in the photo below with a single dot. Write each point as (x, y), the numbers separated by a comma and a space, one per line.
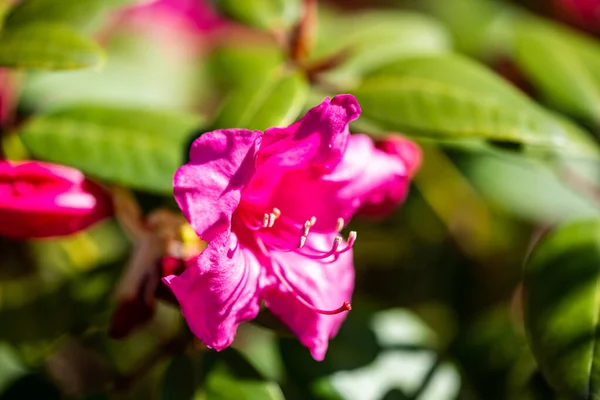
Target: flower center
(289, 236)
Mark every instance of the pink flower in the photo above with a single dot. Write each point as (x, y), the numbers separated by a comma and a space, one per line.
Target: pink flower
(42, 200)
(383, 201)
(272, 205)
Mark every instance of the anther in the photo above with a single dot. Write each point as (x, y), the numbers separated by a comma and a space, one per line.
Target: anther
(276, 212)
(272, 219)
(313, 220)
(340, 224)
(265, 221)
(307, 226)
(302, 242)
(337, 242)
(351, 238)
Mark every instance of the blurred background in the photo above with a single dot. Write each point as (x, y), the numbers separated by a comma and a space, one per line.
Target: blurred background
(502, 96)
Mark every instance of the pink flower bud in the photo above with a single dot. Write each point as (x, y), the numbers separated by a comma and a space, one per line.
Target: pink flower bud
(40, 200)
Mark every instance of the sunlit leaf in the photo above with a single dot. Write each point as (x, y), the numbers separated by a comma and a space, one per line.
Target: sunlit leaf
(562, 305)
(372, 39)
(275, 100)
(265, 14)
(163, 82)
(450, 97)
(76, 13)
(139, 148)
(47, 46)
(564, 65)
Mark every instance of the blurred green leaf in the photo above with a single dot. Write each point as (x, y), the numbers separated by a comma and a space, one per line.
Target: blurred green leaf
(562, 304)
(480, 28)
(163, 82)
(48, 46)
(222, 386)
(11, 367)
(234, 64)
(522, 187)
(139, 148)
(76, 13)
(372, 39)
(450, 97)
(274, 100)
(563, 64)
(178, 381)
(265, 14)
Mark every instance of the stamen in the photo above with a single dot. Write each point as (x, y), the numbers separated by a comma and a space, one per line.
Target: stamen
(265, 221)
(272, 219)
(307, 226)
(346, 306)
(335, 248)
(340, 225)
(302, 242)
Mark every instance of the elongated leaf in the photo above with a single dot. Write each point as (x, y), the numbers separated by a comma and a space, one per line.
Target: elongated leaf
(274, 100)
(76, 13)
(564, 65)
(371, 40)
(449, 97)
(265, 14)
(48, 46)
(562, 308)
(138, 148)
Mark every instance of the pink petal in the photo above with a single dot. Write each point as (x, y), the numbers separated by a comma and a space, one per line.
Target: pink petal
(318, 139)
(316, 142)
(219, 291)
(323, 285)
(365, 174)
(208, 188)
(384, 200)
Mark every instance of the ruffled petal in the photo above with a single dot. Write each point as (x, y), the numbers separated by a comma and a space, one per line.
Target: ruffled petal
(365, 174)
(325, 285)
(316, 142)
(219, 291)
(208, 188)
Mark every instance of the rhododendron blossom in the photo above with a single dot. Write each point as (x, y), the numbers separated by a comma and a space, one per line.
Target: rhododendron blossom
(40, 200)
(272, 205)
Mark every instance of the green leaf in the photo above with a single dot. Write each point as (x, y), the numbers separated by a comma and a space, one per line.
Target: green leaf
(79, 14)
(450, 97)
(372, 39)
(265, 14)
(274, 100)
(562, 308)
(178, 381)
(222, 386)
(564, 65)
(135, 147)
(48, 46)
(164, 82)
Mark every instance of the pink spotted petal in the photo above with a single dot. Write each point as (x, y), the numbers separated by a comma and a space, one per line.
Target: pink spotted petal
(323, 285)
(365, 174)
(208, 188)
(219, 291)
